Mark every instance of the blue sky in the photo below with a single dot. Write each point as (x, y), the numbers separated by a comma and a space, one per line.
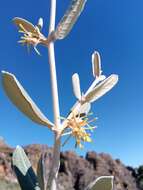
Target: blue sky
(115, 29)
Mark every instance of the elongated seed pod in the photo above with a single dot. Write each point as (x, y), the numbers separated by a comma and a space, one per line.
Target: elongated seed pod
(69, 19)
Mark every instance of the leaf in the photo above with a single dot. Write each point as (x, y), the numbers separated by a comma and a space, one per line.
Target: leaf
(102, 88)
(23, 170)
(41, 172)
(102, 183)
(96, 64)
(69, 19)
(22, 100)
(76, 86)
(24, 24)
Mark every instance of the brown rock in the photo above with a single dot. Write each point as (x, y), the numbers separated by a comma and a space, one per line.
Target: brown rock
(75, 172)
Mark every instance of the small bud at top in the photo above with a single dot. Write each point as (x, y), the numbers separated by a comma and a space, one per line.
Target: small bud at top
(40, 23)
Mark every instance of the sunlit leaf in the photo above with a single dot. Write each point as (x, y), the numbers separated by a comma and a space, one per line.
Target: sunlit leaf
(23, 170)
(69, 19)
(22, 100)
(102, 88)
(23, 24)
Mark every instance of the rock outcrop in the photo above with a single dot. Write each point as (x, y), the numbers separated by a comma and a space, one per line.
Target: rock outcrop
(75, 172)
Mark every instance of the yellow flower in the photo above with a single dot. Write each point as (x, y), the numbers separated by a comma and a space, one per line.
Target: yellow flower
(79, 126)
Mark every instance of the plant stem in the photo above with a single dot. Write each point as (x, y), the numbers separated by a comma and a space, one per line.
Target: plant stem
(52, 185)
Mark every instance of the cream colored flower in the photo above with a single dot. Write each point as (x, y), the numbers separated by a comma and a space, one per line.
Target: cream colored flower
(31, 34)
(79, 125)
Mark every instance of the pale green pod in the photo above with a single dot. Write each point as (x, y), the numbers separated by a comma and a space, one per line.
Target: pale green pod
(22, 100)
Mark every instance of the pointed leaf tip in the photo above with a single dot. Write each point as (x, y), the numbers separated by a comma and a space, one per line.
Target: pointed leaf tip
(69, 19)
(22, 100)
(102, 183)
(23, 170)
(76, 86)
(20, 160)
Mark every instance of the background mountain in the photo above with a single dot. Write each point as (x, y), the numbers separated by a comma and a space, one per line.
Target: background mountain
(75, 171)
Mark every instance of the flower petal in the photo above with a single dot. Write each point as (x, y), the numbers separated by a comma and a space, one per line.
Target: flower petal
(69, 19)
(22, 100)
(102, 88)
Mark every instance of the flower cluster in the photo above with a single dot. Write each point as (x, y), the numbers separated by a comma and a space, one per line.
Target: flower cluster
(79, 125)
(31, 34)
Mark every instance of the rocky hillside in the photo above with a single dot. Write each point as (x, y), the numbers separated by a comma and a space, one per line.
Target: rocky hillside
(75, 171)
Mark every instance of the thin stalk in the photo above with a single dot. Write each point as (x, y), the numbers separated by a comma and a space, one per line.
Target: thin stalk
(52, 181)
